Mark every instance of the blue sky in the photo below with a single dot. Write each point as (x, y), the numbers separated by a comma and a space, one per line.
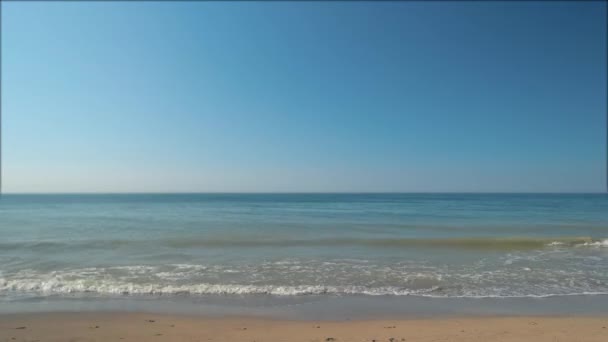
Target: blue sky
(290, 96)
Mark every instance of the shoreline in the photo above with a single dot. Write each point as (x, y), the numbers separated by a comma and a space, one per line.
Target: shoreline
(307, 308)
(141, 326)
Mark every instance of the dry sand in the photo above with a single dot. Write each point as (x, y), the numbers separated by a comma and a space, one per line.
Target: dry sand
(152, 327)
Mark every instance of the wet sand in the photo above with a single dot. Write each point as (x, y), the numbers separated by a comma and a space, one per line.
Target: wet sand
(153, 327)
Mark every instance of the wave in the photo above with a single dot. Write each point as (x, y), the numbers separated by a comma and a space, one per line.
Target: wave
(118, 288)
(599, 243)
(464, 243)
(459, 243)
(337, 277)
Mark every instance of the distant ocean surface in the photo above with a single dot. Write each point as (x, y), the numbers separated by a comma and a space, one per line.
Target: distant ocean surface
(425, 245)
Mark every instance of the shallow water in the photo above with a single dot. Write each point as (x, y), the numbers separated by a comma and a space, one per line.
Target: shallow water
(282, 246)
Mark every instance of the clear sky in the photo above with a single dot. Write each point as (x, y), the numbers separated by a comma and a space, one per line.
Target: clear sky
(292, 96)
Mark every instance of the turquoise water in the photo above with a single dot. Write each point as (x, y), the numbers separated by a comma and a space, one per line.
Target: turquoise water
(293, 246)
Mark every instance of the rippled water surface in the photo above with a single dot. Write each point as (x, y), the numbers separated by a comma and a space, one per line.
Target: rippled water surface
(427, 245)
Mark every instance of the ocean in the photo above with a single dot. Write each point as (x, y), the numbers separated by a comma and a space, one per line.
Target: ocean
(268, 251)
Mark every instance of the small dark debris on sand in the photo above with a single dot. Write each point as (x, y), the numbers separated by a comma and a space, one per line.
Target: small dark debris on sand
(330, 339)
(20, 328)
(150, 321)
(390, 327)
(158, 335)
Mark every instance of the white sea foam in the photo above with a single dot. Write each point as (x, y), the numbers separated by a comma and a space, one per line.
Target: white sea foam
(498, 296)
(50, 286)
(589, 243)
(146, 280)
(541, 273)
(107, 287)
(601, 243)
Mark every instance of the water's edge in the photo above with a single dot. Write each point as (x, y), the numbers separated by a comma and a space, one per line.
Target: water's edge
(324, 308)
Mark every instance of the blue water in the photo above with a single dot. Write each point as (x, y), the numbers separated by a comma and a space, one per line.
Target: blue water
(297, 245)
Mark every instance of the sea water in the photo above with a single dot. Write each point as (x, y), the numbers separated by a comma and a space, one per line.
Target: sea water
(286, 249)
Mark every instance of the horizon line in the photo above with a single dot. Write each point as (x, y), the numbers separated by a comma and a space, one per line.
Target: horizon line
(296, 192)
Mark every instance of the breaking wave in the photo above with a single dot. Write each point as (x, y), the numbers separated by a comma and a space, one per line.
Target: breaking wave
(296, 278)
(118, 288)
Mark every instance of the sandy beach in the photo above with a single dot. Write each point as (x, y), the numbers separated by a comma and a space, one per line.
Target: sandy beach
(153, 327)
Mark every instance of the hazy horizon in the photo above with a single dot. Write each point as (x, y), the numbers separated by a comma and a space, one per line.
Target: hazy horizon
(290, 97)
(309, 193)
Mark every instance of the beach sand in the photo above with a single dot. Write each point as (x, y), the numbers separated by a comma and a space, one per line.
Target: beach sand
(153, 327)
